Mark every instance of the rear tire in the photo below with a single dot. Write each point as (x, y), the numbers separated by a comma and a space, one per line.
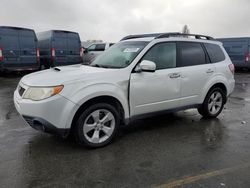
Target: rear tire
(213, 103)
(97, 125)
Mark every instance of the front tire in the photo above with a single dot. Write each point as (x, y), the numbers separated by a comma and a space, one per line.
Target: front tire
(213, 103)
(97, 125)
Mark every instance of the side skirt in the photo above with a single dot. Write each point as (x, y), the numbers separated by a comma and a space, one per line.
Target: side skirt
(153, 114)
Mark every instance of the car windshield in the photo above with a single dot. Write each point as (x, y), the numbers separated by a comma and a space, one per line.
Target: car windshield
(119, 55)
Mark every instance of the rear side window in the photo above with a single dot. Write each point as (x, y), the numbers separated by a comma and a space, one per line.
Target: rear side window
(215, 52)
(163, 55)
(100, 47)
(192, 54)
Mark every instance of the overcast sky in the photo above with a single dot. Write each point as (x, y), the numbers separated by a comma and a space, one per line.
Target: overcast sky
(110, 20)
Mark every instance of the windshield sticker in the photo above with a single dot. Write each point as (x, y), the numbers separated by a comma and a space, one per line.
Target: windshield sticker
(131, 50)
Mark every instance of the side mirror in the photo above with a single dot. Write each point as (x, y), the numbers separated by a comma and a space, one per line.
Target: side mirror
(146, 66)
(86, 50)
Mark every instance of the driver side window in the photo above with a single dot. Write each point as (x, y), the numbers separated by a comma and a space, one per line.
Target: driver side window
(163, 55)
(92, 47)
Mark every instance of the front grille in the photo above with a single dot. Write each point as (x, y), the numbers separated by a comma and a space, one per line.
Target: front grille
(21, 90)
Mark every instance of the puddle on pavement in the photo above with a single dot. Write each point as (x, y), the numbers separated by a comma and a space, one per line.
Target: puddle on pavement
(240, 99)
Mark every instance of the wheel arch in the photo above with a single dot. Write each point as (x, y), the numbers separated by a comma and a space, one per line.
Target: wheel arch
(100, 99)
(220, 85)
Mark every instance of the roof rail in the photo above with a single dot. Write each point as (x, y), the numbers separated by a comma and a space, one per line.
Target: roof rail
(167, 35)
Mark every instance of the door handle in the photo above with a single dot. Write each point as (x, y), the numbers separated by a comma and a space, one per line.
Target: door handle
(210, 71)
(175, 75)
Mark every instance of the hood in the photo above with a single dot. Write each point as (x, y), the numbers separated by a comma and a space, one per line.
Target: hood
(54, 77)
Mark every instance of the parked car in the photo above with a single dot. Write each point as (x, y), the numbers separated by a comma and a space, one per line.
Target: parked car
(239, 50)
(18, 49)
(59, 48)
(138, 77)
(94, 50)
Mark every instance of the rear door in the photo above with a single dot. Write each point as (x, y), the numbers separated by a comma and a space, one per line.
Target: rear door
(60, 44)
(74, 45)
(10, 46)
(237, 50)
(196, 71)
(28, 45)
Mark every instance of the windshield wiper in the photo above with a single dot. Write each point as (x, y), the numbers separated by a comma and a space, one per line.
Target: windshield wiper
(96, 65)
(104, 66)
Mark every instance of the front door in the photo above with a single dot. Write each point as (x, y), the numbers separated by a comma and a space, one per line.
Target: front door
(160, 90)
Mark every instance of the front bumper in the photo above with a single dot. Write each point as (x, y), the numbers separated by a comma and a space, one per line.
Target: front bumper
(50, 115)
(44, 126)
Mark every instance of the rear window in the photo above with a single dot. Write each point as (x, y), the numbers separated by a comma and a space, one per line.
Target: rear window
(73, 35)
(9, 42)
(60, 43)
(192, 54)
(26, 33)
(27, 42)
(59, 34)
(215, 52)
(73, 44)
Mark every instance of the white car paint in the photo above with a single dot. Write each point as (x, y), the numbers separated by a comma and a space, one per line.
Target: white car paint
(138, 93)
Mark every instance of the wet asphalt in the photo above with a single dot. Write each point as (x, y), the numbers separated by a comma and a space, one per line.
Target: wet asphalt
(179, 149)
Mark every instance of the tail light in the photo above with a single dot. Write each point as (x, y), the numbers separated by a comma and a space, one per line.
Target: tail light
(53, 54)
(232, 68)
(81, 52)
(247, 57)
(38, 54)
(1, 54)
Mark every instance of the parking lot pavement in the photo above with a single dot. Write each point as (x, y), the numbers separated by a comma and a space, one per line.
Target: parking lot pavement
(176, 150)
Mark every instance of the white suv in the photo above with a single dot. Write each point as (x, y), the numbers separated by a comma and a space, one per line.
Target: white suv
(139, 76)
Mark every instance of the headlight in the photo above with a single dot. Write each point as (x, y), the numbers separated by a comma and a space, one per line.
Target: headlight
(40, 93)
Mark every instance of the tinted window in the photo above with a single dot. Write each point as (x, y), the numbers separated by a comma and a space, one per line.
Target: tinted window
(60, 43)
(215, 53)
(10, 42)
(27, 42)
(73, 36)
(60, 34)
(27, 33)
(192, 54)
(73, 41)
(163, 55)
(100, 47)
(73, 44)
